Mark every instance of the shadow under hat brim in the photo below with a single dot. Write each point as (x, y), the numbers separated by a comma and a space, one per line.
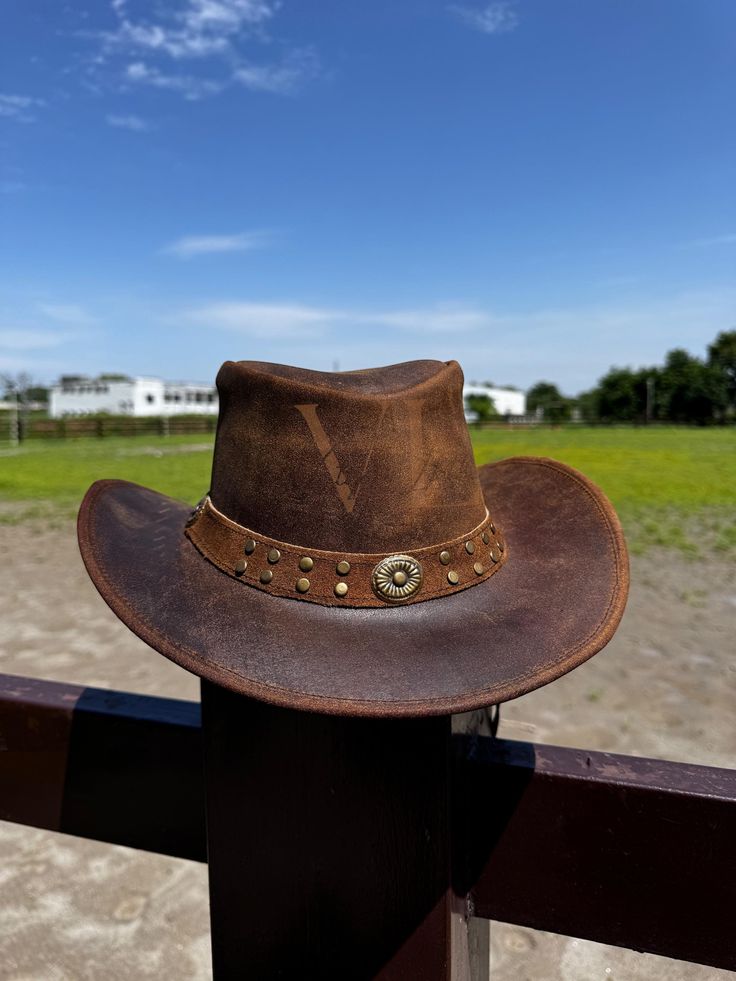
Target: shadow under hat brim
(556, 602)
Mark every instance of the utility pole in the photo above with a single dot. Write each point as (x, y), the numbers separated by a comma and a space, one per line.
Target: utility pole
(15, 422)
(11, 392)
(650, 398)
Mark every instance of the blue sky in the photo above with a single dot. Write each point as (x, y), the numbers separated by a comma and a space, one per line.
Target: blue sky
(539, 189)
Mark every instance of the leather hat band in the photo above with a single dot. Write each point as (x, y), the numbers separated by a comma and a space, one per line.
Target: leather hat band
(355, 579)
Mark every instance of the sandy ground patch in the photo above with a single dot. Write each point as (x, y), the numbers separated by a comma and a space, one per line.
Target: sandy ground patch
(74, 909)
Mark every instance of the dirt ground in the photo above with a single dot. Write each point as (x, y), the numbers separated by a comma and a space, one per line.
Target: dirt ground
(75, 909)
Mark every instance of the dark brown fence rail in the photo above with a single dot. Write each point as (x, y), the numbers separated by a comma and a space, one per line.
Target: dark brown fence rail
(634, 852)
(106, 426)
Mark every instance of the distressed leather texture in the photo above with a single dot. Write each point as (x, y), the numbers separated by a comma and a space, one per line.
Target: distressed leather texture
(556, 601)
(363, 461)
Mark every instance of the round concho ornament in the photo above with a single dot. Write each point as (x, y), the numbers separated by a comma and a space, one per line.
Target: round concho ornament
(396, 578)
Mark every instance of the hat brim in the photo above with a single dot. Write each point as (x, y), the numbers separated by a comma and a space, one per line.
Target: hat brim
(556, 602)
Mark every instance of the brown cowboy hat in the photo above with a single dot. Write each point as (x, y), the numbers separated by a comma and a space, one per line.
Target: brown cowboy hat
(350, 558)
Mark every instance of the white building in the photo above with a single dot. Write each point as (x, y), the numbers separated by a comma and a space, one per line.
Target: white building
(507, 402)
(79, 396)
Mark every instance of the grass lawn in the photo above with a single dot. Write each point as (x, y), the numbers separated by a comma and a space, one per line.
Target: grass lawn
(51, 476)
(674, 487)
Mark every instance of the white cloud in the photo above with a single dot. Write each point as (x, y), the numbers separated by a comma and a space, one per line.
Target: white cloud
(29, 339)
(292, 320)
(495, 18)
(267, 320)
(19, 107)
(131, 122)
(444, 319)
(193, 245)
(229, 15)
(575, 345)
(572, 345)
(280, 78)
(39, 367)
(67, 313)
(201, 29)
(191, 87)
(703, 243)
(613, 282)
(210, 37)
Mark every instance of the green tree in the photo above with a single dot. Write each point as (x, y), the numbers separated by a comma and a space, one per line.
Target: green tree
(546, 400)
(17, 389)
(722, 358)
(483, 407)
(621, 395)
(37, 393)
(690, 390)
(587, 406)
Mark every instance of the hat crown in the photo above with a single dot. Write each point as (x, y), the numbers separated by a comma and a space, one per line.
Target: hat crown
(365, 461)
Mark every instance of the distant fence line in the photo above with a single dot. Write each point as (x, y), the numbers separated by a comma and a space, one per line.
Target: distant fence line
(75, 427)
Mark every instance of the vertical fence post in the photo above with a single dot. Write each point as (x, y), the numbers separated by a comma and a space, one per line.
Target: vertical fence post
(329, 845)
(13, 425)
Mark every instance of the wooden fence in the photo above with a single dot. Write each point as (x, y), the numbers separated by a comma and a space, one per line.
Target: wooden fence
(80, 427)
(361, 848)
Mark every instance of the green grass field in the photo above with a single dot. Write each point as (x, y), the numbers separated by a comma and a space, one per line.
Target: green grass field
(673, 487)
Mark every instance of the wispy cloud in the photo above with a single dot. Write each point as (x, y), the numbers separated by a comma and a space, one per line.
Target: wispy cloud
(194, 245)
(704, 243)
(302, 320)
(19, 107)
(42, 367)
(442, 319)
(281, 78)
(214, 39)
(12, 187)
(30, 339)
(134, 123)
(262, 319)
(67, 313)
(495, 18)
(46, 338)
(202, 28)
(614, 282)
(191, 87)
(575, 345)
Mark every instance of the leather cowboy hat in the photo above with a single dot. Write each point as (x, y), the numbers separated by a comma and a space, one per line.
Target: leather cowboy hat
(350, 558)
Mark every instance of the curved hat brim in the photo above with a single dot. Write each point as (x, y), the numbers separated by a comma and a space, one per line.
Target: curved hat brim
(556, 602)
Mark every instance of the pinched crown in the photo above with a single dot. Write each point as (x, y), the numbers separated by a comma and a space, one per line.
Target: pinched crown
(366, 461)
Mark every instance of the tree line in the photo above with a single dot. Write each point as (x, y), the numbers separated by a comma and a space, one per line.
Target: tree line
(685, 389)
